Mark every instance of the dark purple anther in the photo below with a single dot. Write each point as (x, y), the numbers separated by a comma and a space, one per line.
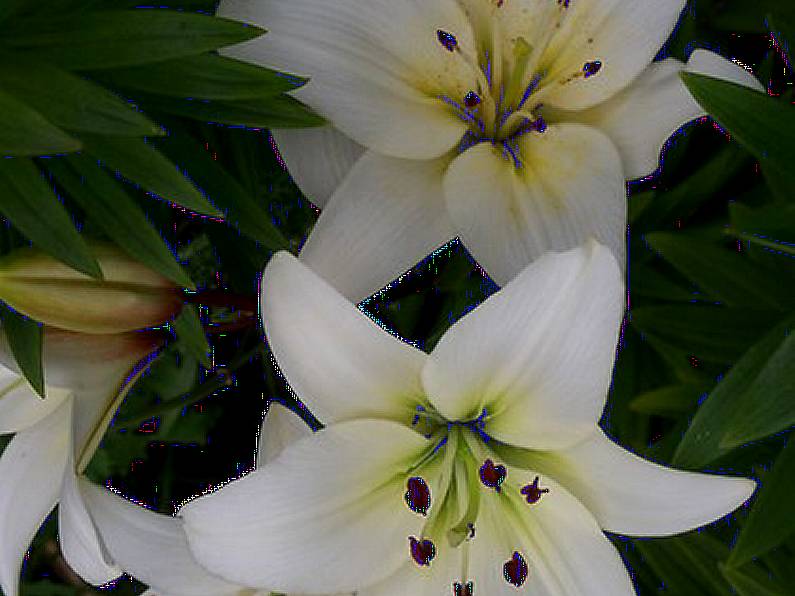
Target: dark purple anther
(533, 493)
(515, 571)
(448, 40)
(422, 551)
(564, 3)
(491, 475)
(418, 495)
(472, 99)
(466, 589)
(540, 124)
(591, 68)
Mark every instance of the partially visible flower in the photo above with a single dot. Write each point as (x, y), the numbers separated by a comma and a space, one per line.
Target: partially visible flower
(512, 124)
(131, 296)
(55, 437)
(479, 466)
(153, 548)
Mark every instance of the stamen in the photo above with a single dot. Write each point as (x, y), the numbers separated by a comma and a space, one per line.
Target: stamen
(589, 69)
(422, 551)
(491, 475)
(515, 571)
(472, 99)
(418, 495)
(513, 153)
(466, 589)
(563, 3)
(533, 493)
(448, 40)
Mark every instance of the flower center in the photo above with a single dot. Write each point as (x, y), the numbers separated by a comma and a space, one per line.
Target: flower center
(506, 105)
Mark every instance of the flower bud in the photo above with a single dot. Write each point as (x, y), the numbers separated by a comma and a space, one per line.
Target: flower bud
(131, 296)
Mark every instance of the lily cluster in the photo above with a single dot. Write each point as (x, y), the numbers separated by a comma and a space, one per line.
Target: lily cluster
(478, 468)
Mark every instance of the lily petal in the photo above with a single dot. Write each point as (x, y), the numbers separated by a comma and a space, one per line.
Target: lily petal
(151, 547)
(570, 187)
(565, 550)
(80, 543)
(642, 117)
(340, 363)
(386, 216)
(20, 406)
(538, 355)
(318, 159)
(332, 503)
(373, 67)
(280, 428)
(623, 35)
(32, 468)
(631, 496)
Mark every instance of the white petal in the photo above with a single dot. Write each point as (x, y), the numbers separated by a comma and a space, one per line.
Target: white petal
(340, 363)
(642, 117)
(624, 35)
(569, 188)
(538, 355)
(332, 503)
(566, 552)
(80, 543)
(375, 68)
(318, 159)
(151, 547)
(629, 495)
(21, 407)
(32, 468)
(386, 216)
(280, 428)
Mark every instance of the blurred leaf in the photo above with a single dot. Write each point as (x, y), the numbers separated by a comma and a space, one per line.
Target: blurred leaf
(29, 203)
(771, 227)
(772, 519)
(714, 333)
(72, 102)
(25, 339)
(729, 276)
(143, 164)
(10, 7)
(25, 132)
(243, 211)
(650, 283)
(110, 38)
(671, 400)
(782, 26)
(279, 111)
(107, 205)
(208, 76)
(48, 588)
(749, 586)
(752, 401)
(764, 125)
(189, 330)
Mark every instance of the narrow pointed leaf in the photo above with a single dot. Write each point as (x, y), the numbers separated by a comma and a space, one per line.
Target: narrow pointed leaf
(750, 586)
(141, 163)
(189, 330)
(29, 203)
(772, 519)
(671, 401)
(72, 102)
(111, 209)
(25, 132)
(110, 38)
(208, 76)
(25, 339)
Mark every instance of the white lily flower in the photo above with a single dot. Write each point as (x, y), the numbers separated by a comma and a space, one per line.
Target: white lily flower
(477, 467)
(153, 548)
(512, 124)
(86, 376)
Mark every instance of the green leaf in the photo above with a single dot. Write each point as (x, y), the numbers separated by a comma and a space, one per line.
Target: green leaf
(671, 401)
(762, 124)
(772, 519)
(243, 211)
(771, 227)
(143, 164)
(280, 111)
(25, 339)
(24, 132)
(752, 401)
(751, 586)
(111, 38)
(782, 26)
(111, 209)
(208, 76)
(29, 204)
(48, 588)
(729, 276)
(188, 329)
(72, 102)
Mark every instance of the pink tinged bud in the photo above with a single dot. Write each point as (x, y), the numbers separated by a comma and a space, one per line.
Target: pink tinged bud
(131, 296)
(422, 551)
(515, 570)
(418, 495)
